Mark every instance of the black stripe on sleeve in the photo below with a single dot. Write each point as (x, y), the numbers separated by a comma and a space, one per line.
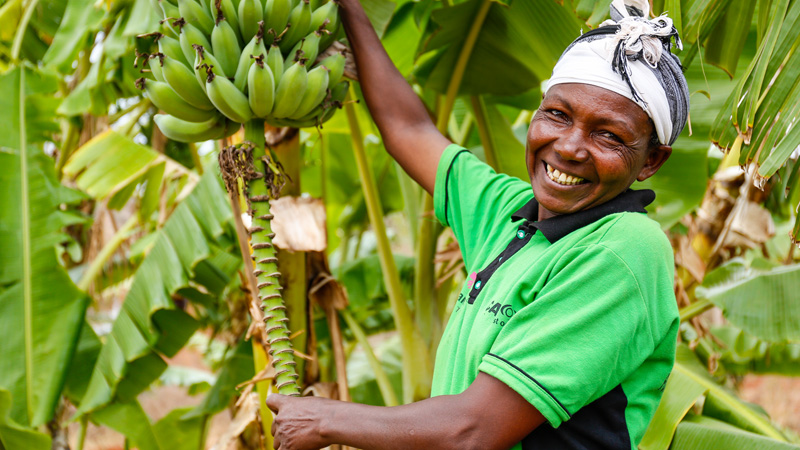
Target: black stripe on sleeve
(447, 183)
(532, 379)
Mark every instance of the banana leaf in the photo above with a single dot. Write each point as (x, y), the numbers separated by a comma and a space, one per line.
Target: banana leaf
(41, 310)
(680, 394)
(742, 354)
(237, 368)
(704, 433)
(111, 166)
(81, 19)
(13, 435)
(149, 326)
(726, 403)
(515, 51)
(759, 302)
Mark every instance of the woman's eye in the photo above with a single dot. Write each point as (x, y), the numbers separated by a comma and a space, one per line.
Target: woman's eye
(611, 136)
(555, 113)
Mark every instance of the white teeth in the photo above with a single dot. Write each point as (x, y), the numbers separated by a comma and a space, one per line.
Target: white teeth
(562, 178)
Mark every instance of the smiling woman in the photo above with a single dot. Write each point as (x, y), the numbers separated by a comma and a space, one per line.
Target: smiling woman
(586, 145)
(565, 333)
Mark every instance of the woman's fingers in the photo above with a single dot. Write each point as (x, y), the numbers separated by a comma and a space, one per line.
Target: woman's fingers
(274, 401)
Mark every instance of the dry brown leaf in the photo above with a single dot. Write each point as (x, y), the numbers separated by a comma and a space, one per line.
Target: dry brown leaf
(245, 415)
(299, 224)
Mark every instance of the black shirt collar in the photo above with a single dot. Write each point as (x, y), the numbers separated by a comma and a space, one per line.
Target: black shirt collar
(557, 227)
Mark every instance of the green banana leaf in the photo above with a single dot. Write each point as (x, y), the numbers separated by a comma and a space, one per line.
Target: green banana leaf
(500, 146)
(82, 18)
(704, 433)
(172, 432)
(742, 354)
(41, 310)
(759, 302)
(14, 435)
(680, 394)
(129, 419)
(176, 432)
(237, 368)
(688, 383)
(111, 166)
(149, 327)
(515, 51)
(726, 42)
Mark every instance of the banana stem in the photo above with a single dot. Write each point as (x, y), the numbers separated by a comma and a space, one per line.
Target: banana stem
(266, 269)
(416, 359)
(695, 309)
(385, 386)
(479, 111)
(16, 46)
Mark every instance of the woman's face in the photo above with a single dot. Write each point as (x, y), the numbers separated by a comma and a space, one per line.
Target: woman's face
(586, 145)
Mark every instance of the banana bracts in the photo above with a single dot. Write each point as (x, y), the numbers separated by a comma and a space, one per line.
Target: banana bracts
(223, 62)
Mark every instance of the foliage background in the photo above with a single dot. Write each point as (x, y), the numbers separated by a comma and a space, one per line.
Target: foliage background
(120, 253)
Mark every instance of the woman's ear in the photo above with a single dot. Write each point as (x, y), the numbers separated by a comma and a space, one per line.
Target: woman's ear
(657, 157)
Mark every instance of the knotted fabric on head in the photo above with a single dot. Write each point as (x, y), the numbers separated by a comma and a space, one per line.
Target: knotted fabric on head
(630, 55)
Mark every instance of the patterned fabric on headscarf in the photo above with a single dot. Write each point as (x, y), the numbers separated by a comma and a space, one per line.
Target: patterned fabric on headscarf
(630, 55)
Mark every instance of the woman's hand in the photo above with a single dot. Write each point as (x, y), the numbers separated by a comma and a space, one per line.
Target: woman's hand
(298, 421)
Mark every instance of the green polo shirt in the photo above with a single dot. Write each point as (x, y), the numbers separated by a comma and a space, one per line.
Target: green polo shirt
(576, 313)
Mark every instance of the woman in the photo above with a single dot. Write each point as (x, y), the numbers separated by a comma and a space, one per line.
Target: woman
(564, 334)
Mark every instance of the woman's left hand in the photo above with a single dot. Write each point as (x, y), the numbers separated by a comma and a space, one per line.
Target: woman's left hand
(298, 420)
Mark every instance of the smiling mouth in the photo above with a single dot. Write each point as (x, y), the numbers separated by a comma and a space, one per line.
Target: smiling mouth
(562, 178)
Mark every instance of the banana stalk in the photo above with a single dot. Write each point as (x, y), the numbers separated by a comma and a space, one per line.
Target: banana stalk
(260, 188)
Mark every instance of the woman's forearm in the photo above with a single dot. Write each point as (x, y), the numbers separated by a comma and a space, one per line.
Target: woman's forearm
(408, 132)
(431, 423)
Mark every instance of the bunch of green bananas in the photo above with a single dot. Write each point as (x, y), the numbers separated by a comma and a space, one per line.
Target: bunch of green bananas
(220, 63)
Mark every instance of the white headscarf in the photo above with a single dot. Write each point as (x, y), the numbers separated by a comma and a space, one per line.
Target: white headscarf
(630, 55)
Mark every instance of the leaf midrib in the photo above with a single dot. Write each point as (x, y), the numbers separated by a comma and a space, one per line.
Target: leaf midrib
(27, 296)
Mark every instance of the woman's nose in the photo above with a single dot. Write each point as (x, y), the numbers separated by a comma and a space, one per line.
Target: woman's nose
(572, 145)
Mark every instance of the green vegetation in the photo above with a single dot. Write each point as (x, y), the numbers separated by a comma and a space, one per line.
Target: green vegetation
(122, 244)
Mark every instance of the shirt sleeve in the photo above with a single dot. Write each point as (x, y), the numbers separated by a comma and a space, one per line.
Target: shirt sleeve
(472, 199)
(583, 334)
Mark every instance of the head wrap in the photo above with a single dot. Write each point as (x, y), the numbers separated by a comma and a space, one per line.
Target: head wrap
(630, 55)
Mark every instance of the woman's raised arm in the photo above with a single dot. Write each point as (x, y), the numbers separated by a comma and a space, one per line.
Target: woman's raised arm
(408, 132)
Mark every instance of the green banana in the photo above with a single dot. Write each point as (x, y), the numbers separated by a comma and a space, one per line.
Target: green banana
(228, 99)
(260, 88)
(334, 63)
(251, 12)
(310, 47)
(276, 15)
(330, 12)
(226, 45)
(170, 11)
(230, 12)
(332, 27)
(171, 48)
(316, 89)
(197, 15)
(254, 48)
(154, 63)
(290, 90)
(165, 99)
(183, 131)
(299, 22)
(182, 80)
(191, 35)
(339, 93)
(275, 62)
(202, 62)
